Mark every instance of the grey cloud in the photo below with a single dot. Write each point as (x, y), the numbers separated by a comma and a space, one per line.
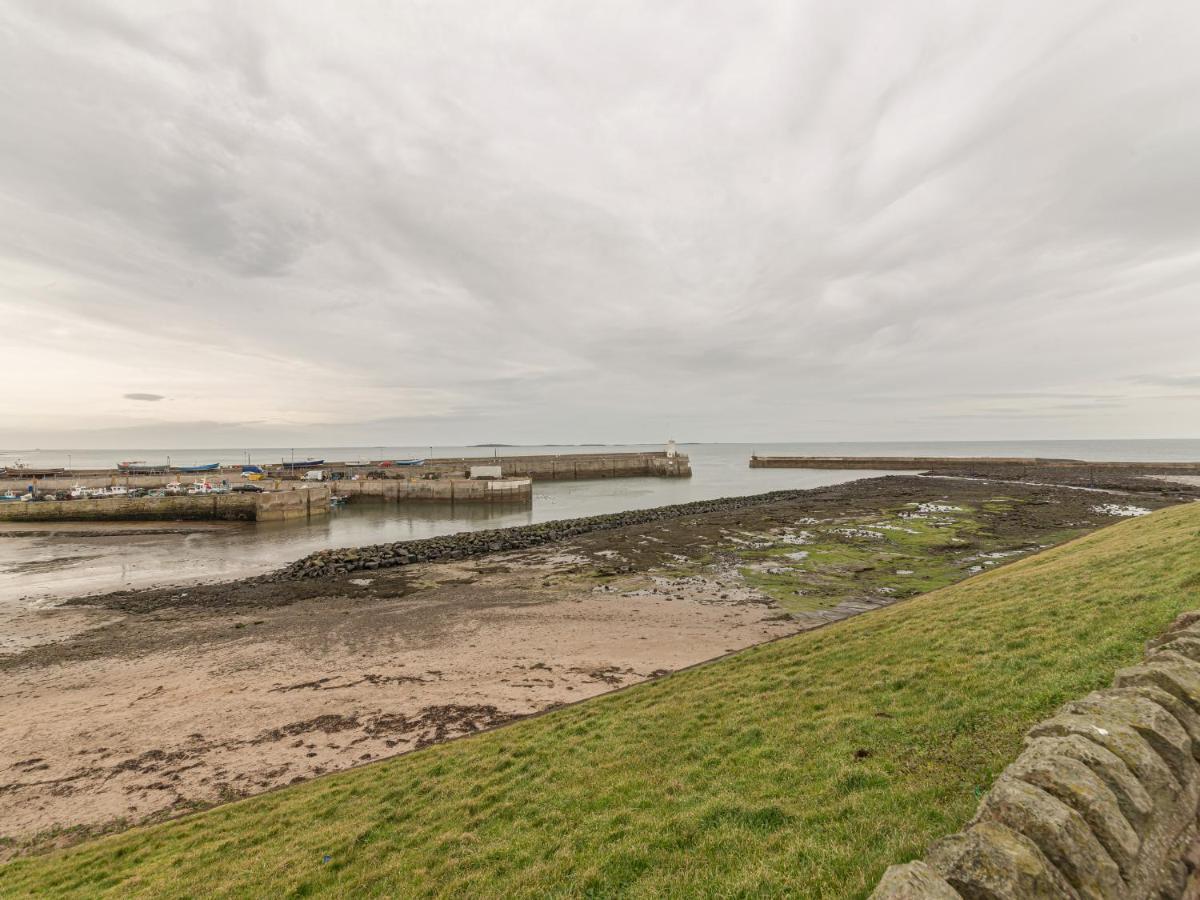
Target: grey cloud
(801, 219)
(150, 398)
(1182, 381)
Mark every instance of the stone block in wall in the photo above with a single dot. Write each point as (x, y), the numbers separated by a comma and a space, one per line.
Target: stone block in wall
(1185, 623)
(1154, 724)
(1123, 742)
(989, 861)
(1185, 644)
(1059, 832)
(1179, 710)
(913, 881)
(1168, 672)
(1132, 798)
(1075, 785)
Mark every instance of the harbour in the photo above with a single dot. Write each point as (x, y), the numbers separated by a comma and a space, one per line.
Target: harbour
(43, 562)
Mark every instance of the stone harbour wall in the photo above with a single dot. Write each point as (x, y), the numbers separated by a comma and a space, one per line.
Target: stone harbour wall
(229, 507)
(232, 507)
(1102, 802)
(302, 503)
(517, 491)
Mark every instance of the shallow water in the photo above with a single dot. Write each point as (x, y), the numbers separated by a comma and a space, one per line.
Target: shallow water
(43, 568)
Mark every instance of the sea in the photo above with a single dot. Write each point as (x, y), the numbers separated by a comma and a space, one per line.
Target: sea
(42, 569)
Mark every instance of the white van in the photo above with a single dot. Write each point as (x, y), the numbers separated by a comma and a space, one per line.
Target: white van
(314, 475)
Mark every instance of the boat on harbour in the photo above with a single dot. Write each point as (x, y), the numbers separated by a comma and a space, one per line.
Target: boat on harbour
(207, 467)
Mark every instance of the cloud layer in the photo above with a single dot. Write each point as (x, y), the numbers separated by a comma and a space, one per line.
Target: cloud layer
(528, 221)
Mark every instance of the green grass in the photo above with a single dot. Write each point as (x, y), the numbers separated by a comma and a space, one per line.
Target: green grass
(801, 768)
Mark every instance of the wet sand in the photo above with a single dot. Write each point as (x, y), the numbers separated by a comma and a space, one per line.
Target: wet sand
(135, 706)
(193, 707)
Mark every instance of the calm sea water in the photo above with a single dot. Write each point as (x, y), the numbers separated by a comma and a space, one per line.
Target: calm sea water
(42, 568)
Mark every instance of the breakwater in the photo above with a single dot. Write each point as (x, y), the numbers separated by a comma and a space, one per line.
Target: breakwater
(967, 464)
(1102, 802)
(476, 543)
(273, 506)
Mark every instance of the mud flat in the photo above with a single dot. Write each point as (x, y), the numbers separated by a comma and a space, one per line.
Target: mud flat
(144, 704)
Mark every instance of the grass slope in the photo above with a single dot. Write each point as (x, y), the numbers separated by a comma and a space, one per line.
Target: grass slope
(801, 768)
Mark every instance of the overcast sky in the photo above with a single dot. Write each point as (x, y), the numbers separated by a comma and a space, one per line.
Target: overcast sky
(262, 223)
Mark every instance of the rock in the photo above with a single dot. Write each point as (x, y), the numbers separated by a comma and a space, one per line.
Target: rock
(1182, 713)
(1132, 798)
(991, 861)
(1059, 833)
(1166, 671)
(1122, 741)
(1186, 644)
(913, 881)
(1187, 623)
(1073, 784)
(1153, 723)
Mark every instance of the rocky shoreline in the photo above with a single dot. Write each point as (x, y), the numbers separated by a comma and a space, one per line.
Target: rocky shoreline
(520, 537)
(345, 561)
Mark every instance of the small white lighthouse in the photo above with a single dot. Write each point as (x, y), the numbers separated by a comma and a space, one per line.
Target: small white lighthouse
(671, 451)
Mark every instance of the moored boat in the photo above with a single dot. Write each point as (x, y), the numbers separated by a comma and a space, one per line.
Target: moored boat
(207, 467)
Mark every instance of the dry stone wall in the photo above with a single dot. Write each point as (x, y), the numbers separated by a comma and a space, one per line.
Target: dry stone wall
(1102, 803)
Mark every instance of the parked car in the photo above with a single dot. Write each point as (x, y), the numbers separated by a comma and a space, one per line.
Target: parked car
(247, 488)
